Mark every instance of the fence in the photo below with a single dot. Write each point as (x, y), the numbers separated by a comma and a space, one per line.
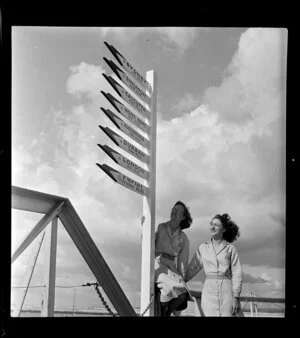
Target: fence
(249, 305)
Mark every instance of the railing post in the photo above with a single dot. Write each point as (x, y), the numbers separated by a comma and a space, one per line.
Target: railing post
(255, 306)
(251, 305)
(50, 269)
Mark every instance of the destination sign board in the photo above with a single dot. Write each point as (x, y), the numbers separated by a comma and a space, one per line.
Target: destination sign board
(130, 69)
(125, 145)
(128, 97)
(128, 82)
(126, 128)
(124, 180)
(125, 162)
(128, 114)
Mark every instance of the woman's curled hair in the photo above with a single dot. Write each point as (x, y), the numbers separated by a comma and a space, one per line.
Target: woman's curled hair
(187, 221)
(232, 231)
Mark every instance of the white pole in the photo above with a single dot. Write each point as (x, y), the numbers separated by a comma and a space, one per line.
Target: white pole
(50, 269)
(255, 306)
(147, 283)
(251, 305)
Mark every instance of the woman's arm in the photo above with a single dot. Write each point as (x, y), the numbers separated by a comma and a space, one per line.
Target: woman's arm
(236, 271)
(159, 227)
(194, 266)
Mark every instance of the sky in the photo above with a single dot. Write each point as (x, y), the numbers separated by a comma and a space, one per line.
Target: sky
(221, 146)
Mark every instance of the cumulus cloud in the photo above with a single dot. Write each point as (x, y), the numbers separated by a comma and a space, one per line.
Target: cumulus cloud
(85, 79)
(186, 104)
(264, 281)
(254, 82)
(124, 34)
(179, 38)
(247, 278)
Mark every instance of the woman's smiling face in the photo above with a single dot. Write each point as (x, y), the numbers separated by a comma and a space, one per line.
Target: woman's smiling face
(216, 227)
(177, 213)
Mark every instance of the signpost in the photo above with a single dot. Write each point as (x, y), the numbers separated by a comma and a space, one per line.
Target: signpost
(125, 145)
(128, 82)
(130, 69)
(145, 90)
(124, 180)
(128, 114)
(126, 128)
(128, 97)
(125, 162)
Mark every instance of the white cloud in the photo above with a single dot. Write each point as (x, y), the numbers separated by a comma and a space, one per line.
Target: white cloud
(186, 104)
(265, 276)
(85, 79)
(254, 82)
(274, 285)
(270, 275)
(124, 34)
(179, 38)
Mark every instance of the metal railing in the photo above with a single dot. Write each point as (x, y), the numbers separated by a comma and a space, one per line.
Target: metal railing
(249, 305)
(54, 208)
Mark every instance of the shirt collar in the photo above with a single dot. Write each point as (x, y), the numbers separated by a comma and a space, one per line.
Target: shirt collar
(176, 233)
(223, 245)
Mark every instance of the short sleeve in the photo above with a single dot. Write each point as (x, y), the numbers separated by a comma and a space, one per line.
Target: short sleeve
(236, 271)
(194, 266)
(183, 257)
(159, 227)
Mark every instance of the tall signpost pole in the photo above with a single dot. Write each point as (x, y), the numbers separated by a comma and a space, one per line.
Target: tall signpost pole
(147, 280)
(143, 116)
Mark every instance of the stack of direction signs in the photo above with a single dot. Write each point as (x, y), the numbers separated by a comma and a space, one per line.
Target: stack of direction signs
(138, 114)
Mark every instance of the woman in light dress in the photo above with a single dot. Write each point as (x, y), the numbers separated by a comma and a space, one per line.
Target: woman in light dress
(220, 261)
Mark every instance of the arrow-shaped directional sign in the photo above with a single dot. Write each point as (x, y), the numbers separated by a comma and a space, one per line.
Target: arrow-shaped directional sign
(126, 65)
(126, 128)
(128, 82)
(124, 180)
(130, 116)
(125, 162)
(128, 97)
(125, 145)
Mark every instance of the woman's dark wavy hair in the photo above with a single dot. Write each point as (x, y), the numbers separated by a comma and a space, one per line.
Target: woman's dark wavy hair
(231, 232)
(187, 221)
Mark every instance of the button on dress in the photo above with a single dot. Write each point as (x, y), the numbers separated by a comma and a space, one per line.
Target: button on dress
(217, 294)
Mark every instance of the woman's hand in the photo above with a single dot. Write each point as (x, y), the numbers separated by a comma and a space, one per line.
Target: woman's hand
(236, 305)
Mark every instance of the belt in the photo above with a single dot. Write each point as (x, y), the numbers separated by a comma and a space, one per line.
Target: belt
(165, 255)
(217, 277)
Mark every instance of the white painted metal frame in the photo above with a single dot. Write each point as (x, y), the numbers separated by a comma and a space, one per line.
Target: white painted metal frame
(27, 278)
(50, 245)
(148, 244)
(54, 207)
(95, 260)
(54, 211)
